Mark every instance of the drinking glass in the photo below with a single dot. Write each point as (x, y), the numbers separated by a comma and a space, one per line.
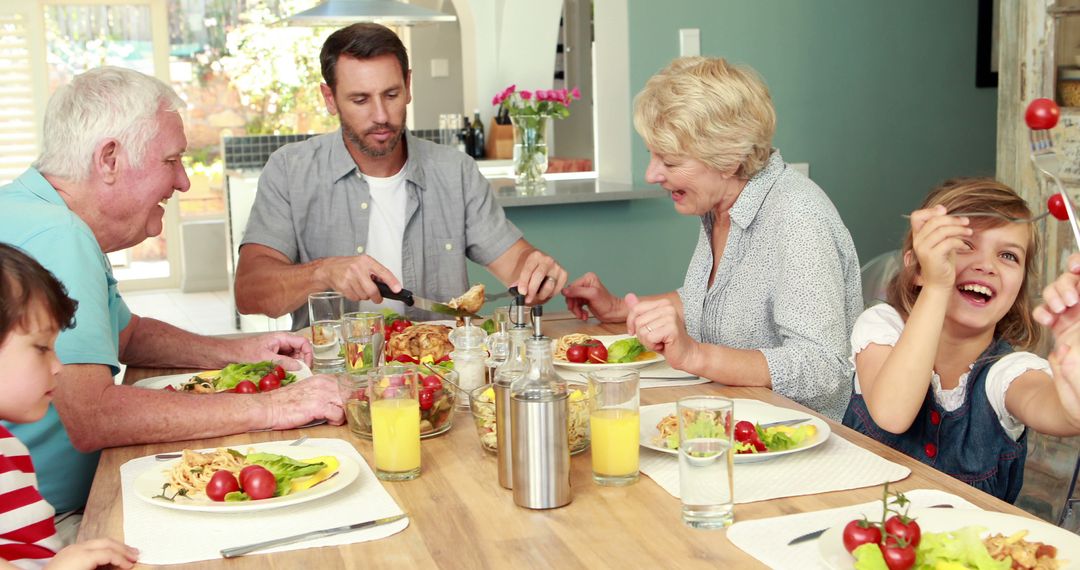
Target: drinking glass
(353, 387)
(395, 422)
(614, 424)
(706, 461)
(325, 310)
(364, 340)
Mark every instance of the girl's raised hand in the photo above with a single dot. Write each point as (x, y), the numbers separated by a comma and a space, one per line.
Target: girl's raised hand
(936, 237)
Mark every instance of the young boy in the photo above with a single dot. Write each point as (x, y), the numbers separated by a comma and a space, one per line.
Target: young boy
(33, 309)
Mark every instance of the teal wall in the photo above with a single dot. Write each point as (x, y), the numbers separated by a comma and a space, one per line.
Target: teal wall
(879, 97)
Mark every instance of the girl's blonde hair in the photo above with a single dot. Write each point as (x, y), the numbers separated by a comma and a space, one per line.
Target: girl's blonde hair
(709, 110)
(1017, 327)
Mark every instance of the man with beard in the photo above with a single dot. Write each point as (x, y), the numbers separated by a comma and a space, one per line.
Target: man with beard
(372, 202)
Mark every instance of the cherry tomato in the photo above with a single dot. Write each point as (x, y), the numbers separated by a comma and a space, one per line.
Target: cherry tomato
(247, 471)
(597, 353)
(427, 398)
(246, 387)
(745, 431)
(908, 530)
(259, 483)
(221, 483)
(1042, 114)
(859, 532)
(400, 325)
(897, 557)
(269, 382)
(279, 372)
(577, 353)
(432, 381)
(1056, 205)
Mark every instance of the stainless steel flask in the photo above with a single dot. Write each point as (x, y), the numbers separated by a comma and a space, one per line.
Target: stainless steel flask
(539, 418)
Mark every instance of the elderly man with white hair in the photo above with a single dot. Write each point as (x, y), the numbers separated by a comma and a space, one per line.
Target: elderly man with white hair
(112, 145)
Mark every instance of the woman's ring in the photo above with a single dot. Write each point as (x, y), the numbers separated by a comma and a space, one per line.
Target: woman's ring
(648, 328)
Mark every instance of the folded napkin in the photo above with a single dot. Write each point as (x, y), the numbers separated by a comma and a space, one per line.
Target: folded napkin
(767, 539)
(836, 464)
(170, 536)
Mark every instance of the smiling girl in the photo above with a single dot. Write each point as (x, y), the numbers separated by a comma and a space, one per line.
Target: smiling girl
(33, 309)
(937, 370)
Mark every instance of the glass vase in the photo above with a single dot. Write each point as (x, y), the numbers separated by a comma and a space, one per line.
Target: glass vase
(530, 150)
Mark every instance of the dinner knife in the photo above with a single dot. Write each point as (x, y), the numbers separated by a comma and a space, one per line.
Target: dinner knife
(242, 550)
(407, 297)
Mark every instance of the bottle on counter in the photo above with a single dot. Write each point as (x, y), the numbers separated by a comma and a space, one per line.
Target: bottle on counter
(464, 135)
(477, 145)
(539, 415)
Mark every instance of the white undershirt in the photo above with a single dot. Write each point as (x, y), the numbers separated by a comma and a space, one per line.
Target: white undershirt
(386, 230)
(882, 325)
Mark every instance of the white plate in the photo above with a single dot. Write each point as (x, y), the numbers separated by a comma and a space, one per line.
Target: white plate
(752, 411)
(149, 482)
(831, 544)
(177, 380)
(607, 340)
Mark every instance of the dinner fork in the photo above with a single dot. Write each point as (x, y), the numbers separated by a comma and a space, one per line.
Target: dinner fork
(164, 456)
(1047, 162)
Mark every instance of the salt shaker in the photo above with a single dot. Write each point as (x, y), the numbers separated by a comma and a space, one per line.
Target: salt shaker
(469, 360)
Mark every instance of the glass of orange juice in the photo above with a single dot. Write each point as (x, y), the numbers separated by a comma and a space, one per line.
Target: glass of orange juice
(614, 426)
(395, 422)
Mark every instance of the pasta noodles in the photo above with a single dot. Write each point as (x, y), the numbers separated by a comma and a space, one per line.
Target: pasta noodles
(566, 342)
(667, 427)
(194, 470)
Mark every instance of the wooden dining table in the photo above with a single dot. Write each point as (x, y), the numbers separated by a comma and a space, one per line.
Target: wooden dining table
(462, 518)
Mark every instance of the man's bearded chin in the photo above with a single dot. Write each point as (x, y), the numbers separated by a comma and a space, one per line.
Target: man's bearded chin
(374, 152)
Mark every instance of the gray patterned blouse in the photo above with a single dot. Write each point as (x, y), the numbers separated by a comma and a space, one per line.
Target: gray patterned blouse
(787, 285)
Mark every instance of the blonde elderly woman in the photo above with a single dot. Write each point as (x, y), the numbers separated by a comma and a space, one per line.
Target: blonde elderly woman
(773, 289)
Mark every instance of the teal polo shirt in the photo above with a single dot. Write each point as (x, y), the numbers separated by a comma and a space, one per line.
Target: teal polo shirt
(34, 218)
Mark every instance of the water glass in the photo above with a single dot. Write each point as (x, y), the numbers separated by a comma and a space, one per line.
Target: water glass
(325, 310)
(615, 425)
(364, 340)
(706, 461)
(395, 422)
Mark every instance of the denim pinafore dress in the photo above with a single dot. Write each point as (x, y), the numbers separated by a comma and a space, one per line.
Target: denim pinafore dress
(967, 443)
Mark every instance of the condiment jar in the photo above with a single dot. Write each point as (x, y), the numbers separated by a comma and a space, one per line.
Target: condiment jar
(469, 358)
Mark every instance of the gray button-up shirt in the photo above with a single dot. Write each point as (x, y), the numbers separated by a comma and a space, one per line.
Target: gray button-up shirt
(788, 285)
(313, 202)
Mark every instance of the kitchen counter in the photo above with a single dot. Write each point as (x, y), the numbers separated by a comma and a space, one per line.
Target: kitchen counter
(561, 188)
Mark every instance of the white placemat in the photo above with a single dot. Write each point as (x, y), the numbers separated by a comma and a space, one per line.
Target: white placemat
(168, 536)
(835, 465)
(767, 539)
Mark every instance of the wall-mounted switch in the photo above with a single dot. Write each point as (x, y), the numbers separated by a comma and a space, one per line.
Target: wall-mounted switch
(689, 41)
(440, 68)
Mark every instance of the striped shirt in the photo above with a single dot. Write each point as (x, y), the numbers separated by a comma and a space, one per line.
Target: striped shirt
(28, 536)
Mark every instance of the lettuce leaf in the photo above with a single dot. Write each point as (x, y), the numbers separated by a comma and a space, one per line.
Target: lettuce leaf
(963, 546)
(625, 350)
